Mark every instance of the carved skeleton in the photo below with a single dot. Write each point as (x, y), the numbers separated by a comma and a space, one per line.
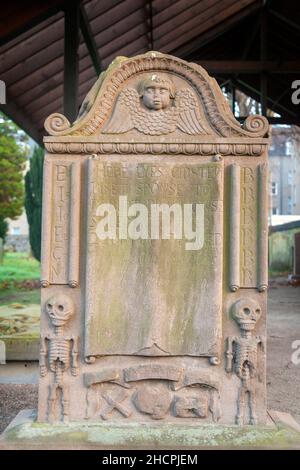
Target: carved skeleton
(242, 355)
(62, 352)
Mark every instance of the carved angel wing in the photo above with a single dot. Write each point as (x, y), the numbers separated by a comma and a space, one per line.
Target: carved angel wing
(189, 118)
(120, 120)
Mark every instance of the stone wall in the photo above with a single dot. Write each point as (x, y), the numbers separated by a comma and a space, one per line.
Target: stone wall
(19, 243)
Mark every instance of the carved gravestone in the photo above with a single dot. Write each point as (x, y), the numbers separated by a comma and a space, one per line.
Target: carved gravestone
(154, 252)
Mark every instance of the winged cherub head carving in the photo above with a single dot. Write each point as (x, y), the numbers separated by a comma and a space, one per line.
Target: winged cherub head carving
(156, 92)
(154, 107)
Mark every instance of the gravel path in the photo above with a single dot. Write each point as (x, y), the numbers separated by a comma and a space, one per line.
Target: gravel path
(14, 398)
(283, 376)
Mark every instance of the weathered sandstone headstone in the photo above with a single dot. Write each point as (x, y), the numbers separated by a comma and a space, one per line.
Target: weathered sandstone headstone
(154, 252)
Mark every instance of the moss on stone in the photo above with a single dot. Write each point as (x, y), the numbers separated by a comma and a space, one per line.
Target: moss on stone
(148, 435)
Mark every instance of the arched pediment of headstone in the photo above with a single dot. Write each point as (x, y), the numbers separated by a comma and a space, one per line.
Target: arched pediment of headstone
(195, 105)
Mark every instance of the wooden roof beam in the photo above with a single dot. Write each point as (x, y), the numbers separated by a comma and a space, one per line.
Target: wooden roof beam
(190, 47)
(27, 17)
(89, 40)
(22, 120)
(255, 93)
(285, 20)
(249, 66)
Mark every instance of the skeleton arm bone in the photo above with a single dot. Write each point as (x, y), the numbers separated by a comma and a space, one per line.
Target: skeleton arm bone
(74, 354)
(262, 342)
(43, 354)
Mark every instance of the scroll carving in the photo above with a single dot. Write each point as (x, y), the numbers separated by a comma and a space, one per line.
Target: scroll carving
(56, 123)
(61, 223)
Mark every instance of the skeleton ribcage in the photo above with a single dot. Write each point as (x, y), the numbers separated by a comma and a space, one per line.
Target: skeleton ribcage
(59, 352)
(245, 358)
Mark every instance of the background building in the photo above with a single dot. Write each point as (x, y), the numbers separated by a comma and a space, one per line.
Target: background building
(284, 165)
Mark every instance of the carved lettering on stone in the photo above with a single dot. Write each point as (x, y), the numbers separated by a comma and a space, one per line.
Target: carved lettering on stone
(149, 268)
(248, 227)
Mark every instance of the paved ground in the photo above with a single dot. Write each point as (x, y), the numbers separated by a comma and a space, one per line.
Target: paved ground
(19, 373)
(18, 389)
(283, 377)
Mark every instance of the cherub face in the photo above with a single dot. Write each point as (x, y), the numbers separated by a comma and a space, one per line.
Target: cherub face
(156, 97)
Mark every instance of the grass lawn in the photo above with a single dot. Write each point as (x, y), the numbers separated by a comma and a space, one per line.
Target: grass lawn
(20, 296)
(18, 267)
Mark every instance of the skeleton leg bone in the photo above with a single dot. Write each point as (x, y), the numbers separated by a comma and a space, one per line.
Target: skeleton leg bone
(52, 402)
(241, 405)
(251, 398)
(65, 402)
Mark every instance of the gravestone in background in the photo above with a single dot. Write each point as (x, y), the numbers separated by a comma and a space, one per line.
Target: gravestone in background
(154, 253)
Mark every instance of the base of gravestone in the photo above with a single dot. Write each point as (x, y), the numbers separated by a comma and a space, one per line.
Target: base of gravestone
(282, 432)
(21, 349)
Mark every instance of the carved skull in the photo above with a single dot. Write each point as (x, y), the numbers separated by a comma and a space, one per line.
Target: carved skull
(60, 308)
(246, 313)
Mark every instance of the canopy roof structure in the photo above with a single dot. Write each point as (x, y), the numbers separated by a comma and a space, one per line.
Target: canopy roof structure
(52, 52)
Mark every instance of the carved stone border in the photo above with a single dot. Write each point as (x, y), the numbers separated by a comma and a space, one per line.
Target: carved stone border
(263, 227)
(235, 209)
(73, 264)
(46, 224)
(224, 123)
(254, 150)
(72, 221)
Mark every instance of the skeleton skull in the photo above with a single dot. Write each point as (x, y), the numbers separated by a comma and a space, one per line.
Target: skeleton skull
(59, 308)
(246, 313)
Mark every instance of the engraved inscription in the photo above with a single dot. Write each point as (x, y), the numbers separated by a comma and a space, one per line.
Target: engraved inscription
(60, 224)
(149, 295)
(248, 227)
